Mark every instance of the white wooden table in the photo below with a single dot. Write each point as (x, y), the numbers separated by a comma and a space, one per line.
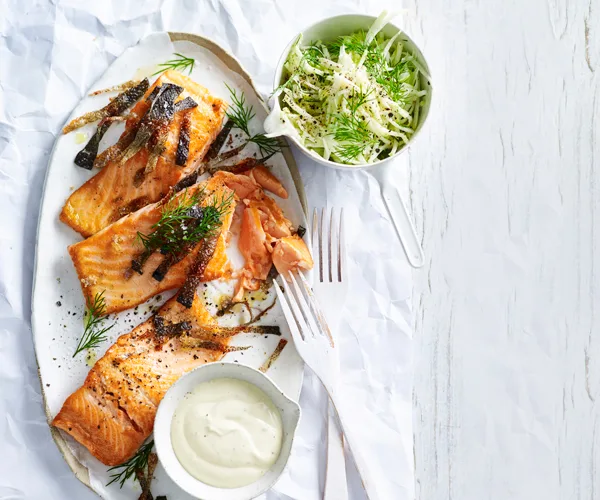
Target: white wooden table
(506, 199)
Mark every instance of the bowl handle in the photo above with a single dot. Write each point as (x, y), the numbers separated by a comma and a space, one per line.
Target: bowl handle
(399, 214)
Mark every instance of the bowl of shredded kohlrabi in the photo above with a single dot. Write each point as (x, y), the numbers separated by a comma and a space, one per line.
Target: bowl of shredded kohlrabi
(351, 91)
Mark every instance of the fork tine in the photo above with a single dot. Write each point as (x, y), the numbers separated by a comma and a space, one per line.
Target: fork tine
(314, 228)
(329, 242)
(299, 315)
(341, 262)
(317, 310)
(321, 245)
(289, 315)
(304, 307)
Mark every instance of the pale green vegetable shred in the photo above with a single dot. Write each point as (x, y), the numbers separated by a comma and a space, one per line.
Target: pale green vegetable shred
(356, 100)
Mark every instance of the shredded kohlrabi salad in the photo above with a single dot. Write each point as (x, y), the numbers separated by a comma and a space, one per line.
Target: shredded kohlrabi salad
(355, 100)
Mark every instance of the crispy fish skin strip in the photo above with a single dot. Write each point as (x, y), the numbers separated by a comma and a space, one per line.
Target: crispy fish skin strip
(87, 156)
(115, 107)
(194, 343)
(158, 117)
(273, 357)
(183, 146)
(188, 290)
(217, 144)
(185, 104)
(116, 88)
(113, 152)
(230, 331)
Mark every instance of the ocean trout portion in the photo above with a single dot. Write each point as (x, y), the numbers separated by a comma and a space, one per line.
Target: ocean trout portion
(113, 412)
(104, 261)
(124, 187)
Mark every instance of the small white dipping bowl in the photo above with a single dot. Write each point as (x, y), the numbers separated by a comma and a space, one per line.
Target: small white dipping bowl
(290, 416)
(328, 30)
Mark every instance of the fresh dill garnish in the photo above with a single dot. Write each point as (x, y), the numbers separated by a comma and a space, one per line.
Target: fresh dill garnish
(240, 114)
(184, 222)
(179, 63)
(139, 461)
(352, 43)
(351, 132)
(93, 334)
(266, 145)
(312, 54)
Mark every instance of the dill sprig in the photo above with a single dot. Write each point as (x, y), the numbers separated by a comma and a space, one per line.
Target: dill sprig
(93, 334)
(391, 77)
(266, 145)
(351, 132)
(240, 114)
(352, 43)
(139, 461)
(179, 63)
(312, 53)
(184, 222)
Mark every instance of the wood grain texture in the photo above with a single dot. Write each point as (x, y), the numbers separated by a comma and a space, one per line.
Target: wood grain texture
(505, 193)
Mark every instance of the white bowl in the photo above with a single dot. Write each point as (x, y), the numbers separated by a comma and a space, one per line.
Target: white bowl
(290, 416)
(328, 30)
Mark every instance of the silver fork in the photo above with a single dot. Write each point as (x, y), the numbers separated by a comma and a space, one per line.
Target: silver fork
(331, 287)
(312, 339)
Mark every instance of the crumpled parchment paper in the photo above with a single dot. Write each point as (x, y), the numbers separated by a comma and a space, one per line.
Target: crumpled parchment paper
(50, 54)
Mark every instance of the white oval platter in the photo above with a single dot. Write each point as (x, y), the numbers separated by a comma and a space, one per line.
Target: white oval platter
(57, 302)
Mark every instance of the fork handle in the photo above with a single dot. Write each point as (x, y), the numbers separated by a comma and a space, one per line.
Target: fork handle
(353, 440)
(335, 478)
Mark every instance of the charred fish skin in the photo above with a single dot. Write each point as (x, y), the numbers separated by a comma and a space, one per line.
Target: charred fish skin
(114, 108)
(217, 144)
(183, 146)
(87, 156)
(188, 290)
(159, 115)
(185, 104)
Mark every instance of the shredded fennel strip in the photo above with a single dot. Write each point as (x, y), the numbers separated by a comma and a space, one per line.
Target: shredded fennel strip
(355, 100)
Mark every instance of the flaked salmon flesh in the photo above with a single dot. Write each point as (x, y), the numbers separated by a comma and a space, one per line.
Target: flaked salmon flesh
(265, 233)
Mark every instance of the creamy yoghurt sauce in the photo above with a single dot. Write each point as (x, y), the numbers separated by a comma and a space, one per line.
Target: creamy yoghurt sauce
(226, 433)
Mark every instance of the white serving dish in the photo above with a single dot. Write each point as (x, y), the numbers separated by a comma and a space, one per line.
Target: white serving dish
(288, 409)
(328, 30)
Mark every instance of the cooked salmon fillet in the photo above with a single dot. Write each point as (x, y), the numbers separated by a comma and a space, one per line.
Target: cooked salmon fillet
(113, 412)
(114, 191)
(103, 261)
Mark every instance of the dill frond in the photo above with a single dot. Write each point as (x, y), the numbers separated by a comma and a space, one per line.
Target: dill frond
(179, 63)
(93, 335)
(184, 222)
(238, 112)
(121, 473)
